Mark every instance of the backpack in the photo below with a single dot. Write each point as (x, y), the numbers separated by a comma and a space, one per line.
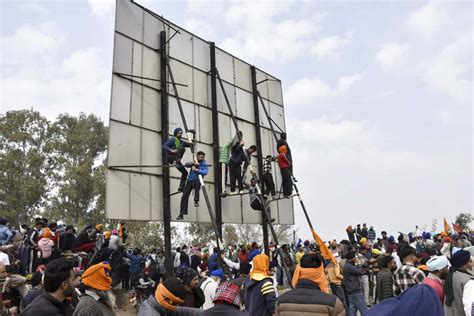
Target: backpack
(135, 281)
(153, 267)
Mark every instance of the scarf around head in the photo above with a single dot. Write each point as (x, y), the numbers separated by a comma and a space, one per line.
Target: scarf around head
(313, 274)
(261, 263)
(96, 278)
(162, 295)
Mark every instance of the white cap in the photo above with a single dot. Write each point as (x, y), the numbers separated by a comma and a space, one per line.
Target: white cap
(437, 263)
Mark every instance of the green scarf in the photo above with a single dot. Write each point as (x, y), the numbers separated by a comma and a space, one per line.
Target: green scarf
(177, 143)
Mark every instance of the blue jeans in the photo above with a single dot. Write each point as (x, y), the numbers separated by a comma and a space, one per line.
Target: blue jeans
(356, 303)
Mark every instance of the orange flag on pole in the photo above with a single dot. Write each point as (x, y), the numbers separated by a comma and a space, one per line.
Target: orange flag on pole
(325, 252)
(446, 226)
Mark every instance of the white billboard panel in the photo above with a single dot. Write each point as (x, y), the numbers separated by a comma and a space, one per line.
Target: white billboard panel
(136, 192)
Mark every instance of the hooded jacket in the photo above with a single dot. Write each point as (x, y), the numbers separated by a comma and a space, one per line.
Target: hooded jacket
(238, 155)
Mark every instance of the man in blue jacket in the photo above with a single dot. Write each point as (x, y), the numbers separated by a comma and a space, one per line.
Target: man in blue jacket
(5, 233)
(175, 148)
(198, 168)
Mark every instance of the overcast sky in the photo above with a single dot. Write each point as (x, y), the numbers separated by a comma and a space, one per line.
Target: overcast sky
(378, 95)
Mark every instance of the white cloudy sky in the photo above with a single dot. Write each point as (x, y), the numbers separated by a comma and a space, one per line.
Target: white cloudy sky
(378, 94)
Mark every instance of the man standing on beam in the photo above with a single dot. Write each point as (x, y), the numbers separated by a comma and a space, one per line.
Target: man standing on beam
(193, 183)
(175, 148)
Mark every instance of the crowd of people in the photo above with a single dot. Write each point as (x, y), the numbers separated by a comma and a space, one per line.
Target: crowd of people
(52, 269)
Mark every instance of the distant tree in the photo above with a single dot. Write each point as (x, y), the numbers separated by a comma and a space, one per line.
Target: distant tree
(77, 146)
(230, 234)
(200, 234)
(284, 234)
(25, 169)
(147, 235)
(464, 220)
(249, 233)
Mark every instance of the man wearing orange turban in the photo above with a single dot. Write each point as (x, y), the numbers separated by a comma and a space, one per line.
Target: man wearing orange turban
(98, 298)
(168, 296)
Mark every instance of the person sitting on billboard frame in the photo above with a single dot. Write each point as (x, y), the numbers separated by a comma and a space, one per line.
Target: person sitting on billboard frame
(198, 168)
(175, 148)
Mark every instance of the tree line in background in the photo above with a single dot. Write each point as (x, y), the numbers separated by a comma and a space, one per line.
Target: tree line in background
(57, 169)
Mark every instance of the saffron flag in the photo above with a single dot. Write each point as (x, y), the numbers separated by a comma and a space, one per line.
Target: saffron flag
(457, 228)
(325, 252)
(446, 226)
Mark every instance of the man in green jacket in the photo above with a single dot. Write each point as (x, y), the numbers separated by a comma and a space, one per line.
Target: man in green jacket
(384, 278)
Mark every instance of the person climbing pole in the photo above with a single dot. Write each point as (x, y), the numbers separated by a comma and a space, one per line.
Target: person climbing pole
(285, 165)
(175, 148)
(237, 157)
(198, 167)
(256, 202)
(283, 142)
(267, 177)
(249, 151)
(224, 156)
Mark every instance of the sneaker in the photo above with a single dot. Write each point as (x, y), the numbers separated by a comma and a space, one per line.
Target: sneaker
(196, 204)
(241, 191)
(179, 218)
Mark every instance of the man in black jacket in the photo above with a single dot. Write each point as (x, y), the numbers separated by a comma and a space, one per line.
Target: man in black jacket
(58, 284)
(282, 142)
(352, 271)
(237, 157)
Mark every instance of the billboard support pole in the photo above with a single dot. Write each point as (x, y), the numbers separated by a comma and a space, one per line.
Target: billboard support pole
(220, 245)
(259, 153)
(166, 171)
(257, 185)
(298, 194)
(215, 143)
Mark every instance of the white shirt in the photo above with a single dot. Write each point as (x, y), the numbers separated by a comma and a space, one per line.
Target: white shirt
(468, 297)
(209, 287)
(4, 258)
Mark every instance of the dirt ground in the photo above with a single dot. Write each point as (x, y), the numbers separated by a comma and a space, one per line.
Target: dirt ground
(124, 304)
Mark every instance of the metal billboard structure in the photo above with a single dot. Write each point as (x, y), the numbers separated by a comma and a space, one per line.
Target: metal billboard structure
(150, 53)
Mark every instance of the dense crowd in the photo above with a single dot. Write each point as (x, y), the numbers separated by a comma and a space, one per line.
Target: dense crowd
(50, 269)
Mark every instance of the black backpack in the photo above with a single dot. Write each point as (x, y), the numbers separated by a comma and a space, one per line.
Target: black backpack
(153, 267)
(135, 281)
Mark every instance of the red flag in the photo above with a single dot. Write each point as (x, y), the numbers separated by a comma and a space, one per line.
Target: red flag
(457, 228)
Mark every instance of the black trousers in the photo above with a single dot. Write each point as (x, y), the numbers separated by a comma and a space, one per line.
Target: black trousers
(184, 173)
(188, 188)
(235, 173)
(286, 181)
(269, 184)
(256, 205)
